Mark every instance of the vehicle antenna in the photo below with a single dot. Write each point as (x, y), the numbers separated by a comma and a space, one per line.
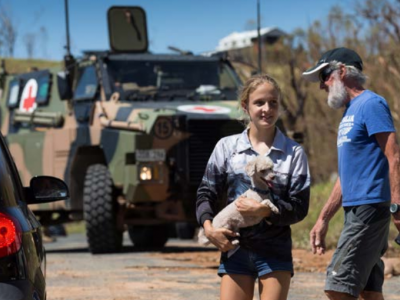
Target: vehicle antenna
(69, 60)
(67, 46)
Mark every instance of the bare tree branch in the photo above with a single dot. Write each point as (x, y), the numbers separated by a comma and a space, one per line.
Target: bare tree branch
(30, 43)
(8, 31)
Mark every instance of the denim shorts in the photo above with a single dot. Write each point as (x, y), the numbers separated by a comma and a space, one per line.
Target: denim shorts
(245, 262)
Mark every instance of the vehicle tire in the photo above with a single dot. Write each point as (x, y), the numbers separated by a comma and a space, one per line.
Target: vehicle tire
(185, 230)
(150, 236)
(100, 211)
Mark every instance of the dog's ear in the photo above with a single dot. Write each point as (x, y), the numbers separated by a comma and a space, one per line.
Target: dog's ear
(251, 168)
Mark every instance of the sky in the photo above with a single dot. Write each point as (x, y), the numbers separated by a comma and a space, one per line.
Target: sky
(195, 25)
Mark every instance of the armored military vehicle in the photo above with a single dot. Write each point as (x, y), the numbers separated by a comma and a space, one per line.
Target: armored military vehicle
(128, 130)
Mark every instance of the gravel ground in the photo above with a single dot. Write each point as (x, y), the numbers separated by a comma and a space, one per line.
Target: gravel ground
(182, 271)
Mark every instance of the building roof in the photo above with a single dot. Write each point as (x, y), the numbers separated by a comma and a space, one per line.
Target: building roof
(237, 40)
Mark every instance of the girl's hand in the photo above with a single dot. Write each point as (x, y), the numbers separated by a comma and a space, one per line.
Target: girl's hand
(219, 236)
(250, 207)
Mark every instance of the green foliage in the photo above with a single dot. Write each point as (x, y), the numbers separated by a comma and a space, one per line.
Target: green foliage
(25, 65)
(300, 231)
(319, 195)
(372, 29)
(75, 227)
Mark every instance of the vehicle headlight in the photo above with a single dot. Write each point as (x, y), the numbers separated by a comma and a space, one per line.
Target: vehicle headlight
(145, 173)
(150, 163)
(150, 172)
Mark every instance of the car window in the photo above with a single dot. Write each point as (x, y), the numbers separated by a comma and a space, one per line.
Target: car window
(40, 95)
(87, 84)
(170, 75)
(9, 182)
(14, 89)
(43, 92)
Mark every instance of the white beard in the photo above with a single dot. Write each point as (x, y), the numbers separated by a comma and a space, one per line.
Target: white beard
(338, 95)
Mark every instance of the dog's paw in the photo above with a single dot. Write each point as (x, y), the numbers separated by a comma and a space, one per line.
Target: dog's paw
(273, 208)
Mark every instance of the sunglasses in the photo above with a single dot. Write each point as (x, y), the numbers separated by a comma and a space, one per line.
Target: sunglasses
(324, 74)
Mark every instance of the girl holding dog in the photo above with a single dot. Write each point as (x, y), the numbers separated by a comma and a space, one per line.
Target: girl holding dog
(265, 249)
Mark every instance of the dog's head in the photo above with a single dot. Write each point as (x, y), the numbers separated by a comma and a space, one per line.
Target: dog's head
(260, 171)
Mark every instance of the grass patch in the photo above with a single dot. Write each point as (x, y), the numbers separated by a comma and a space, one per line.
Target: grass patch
(75, 227)
(14, 65)
(300, 231)
(319, 196)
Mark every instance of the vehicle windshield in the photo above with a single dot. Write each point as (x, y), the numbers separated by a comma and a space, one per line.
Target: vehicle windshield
(171, 78)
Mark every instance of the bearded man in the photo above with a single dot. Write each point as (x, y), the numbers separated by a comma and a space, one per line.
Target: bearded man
(368, 186)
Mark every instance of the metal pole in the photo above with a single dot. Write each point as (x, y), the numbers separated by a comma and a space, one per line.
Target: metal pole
(259, 38)
(67, 46)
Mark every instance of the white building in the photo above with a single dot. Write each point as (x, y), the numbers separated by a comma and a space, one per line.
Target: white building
(237, 40)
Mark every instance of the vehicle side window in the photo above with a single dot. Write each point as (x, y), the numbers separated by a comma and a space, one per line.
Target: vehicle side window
(43, 93)
(87, 85)
(226, 80)
(14, 91)
(16, 87)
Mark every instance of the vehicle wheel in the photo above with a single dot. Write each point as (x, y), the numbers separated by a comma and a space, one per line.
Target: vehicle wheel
(185, 230)
(100, 211)
(154, 236)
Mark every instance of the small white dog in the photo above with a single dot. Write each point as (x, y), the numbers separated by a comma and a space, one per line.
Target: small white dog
(260, 171)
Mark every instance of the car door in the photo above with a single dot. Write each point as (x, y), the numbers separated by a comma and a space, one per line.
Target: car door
(12, 188)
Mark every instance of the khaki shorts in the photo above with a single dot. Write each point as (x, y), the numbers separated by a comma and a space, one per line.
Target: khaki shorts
(356, 265)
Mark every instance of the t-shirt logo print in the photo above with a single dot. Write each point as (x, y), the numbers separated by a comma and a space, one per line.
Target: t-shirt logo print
(344, 128)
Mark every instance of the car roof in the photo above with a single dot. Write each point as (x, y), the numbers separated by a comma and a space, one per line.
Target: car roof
(152, 57)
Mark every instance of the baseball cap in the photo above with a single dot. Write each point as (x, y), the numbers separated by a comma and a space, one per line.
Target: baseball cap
(343, 55)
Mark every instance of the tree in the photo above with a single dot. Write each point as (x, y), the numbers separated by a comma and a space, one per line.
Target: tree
(30, 43)
(44, 39)
(8, 31)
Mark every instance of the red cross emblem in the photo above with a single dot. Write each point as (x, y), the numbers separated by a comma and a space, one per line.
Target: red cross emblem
(28, 97)
(205, 109)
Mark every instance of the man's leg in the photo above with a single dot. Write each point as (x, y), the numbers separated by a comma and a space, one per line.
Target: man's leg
(373, 289)
(356, 266)
(366, 295)
(332, 295)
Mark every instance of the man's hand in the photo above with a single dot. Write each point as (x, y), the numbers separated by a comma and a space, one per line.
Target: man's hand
(219, 236)
(250, 207)
(396, 221)
(388, 143)
(317, 237)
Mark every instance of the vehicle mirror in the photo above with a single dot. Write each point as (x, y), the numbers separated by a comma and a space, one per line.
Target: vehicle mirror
(47, 189)
(127, 29)
(63, 86)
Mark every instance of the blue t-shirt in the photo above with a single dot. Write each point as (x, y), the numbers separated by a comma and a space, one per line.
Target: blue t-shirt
(363, 167)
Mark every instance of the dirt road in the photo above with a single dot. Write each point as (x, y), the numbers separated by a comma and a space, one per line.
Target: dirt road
(182, 271)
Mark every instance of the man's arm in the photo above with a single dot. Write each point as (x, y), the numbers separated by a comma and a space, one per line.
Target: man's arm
(320, 229)
(388, 143)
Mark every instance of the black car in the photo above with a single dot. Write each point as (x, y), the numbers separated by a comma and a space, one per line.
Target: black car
(22, 255)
